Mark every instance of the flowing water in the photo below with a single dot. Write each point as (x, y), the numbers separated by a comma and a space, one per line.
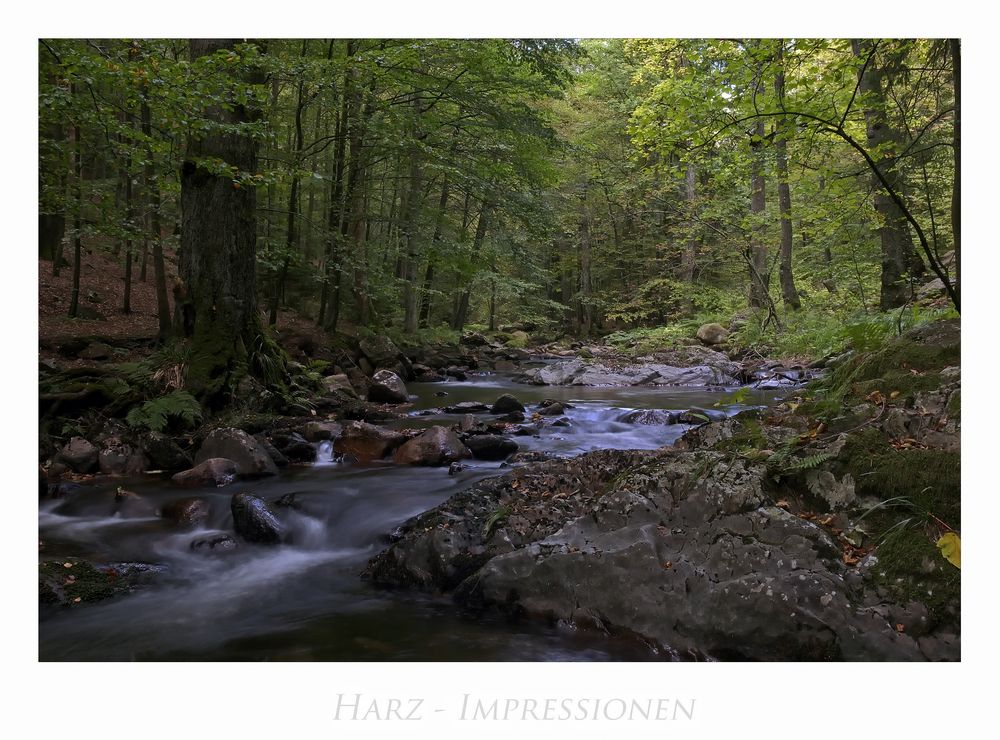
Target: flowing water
(305, 601)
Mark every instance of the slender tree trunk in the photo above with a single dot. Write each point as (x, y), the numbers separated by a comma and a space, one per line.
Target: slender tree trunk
(462, 312)
(690, 255)
(153, 191)
(74, 297)
(759, 277)
(218, 239)
(292, 226)
(425, 300)
(410, 218)
(789, 294)
(585, 288)
(897, 245)
(336, 221)
(129, 218)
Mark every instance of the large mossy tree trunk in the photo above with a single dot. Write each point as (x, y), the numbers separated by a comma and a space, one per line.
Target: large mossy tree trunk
(218, 248)
(898, 255)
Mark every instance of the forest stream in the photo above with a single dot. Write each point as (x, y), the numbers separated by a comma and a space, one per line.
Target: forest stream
(306, 600)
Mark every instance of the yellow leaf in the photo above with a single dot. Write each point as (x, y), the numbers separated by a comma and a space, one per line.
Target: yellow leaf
(951, 548)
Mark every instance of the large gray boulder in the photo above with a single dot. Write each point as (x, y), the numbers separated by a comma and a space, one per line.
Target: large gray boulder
(683, 548)
(578, 372)
(250, 456)
(712, 334)
(387, 387)
(79, 455)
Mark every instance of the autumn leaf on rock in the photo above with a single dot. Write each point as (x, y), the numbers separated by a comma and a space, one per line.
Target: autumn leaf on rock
(950, 546)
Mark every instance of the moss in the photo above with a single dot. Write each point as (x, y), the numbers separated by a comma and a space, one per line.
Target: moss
(930, 479)
(955, 405)
(911, 567)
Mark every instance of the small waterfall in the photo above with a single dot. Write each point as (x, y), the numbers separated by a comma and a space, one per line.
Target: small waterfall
(324, 454)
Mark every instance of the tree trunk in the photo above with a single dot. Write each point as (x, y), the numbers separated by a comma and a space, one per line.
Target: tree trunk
(462, 311)
(153, 191)
(218, 243)
(410, 217)
(425, 300)
(585, 288)
(759, 277)
(129, 217)
(789, 294)
(690, 254)
(336, 222)
(894, 234)
(74, 297)
(292, 226)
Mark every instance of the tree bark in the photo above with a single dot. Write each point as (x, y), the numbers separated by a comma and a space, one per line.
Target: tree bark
(218, 245)
(425, 299)
(74, 298)
(153, 192)
(894, 234)
(789, 294)
(759, 277)
(462, 311)
(585, 288)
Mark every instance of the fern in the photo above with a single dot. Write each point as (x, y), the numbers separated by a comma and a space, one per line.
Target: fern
(156, 415)
(808, 463)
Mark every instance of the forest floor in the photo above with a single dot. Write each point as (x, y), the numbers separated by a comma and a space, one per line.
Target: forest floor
(102, 290)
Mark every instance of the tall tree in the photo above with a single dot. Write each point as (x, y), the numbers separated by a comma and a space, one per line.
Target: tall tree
(789, 294)
(218, 237)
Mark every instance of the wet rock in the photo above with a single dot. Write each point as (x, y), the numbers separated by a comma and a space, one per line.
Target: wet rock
(165, 454)
(467, 407)
(254, 521)
(562, 422)
(649, 417)
(79, 454)
(578, 372)
(531, 456)
(130, 505)
(294, 446)
(214, 543)
(555, 408)
(468, 423)
(387, 387)
(366, 442)
(455, 468)
(712, 334)
(681, 548)
(440, 394)
(490, 446)
(216, 471)
(456, 372)
(505, 366)
(514, 417)
(273, 452)
(506, 404)
(435, 446)
(186, 512)
(317, 431)
(288, 501)
(250, 456)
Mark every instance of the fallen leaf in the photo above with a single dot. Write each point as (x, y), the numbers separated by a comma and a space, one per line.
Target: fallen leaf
(950, 546)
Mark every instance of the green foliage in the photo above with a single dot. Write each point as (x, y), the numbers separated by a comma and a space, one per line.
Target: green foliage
(178, 409)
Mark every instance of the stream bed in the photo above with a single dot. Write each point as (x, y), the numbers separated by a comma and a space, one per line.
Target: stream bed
(305, 601)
